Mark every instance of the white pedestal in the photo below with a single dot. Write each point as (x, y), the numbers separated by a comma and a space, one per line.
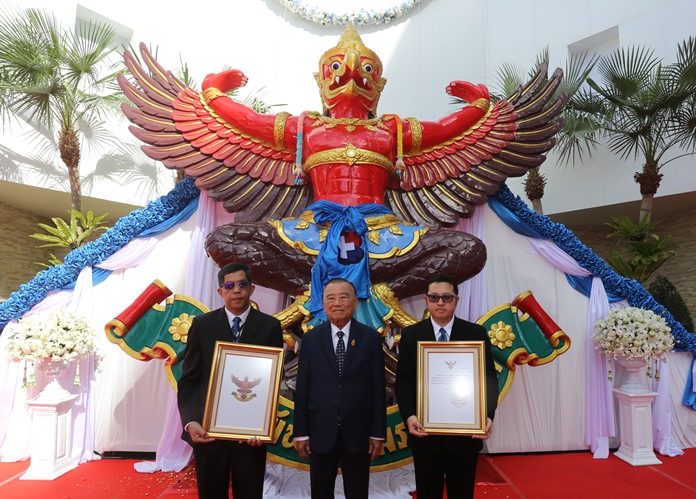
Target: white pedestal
(51, 437)
(635, 413)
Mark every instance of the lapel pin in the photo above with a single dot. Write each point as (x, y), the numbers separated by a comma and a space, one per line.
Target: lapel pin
(352, 343)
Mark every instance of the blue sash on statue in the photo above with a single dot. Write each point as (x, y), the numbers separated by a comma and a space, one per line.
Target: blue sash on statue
(344, 238)
(342, 219)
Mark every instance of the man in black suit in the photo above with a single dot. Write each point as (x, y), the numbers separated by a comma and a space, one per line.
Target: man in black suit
(441, 458)
(340, 402)
(237, 321)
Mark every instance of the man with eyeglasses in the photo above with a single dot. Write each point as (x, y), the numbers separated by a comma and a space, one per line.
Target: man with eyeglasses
(236, 321)
(440, 460)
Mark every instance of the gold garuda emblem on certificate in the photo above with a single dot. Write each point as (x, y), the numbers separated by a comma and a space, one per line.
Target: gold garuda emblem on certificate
(244, 393)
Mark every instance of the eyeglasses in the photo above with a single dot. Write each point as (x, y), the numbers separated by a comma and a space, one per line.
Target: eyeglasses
(242, 285)
(437, 298)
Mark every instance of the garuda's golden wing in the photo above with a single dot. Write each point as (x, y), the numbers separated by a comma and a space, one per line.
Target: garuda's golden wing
(446, 182)
(251, 177)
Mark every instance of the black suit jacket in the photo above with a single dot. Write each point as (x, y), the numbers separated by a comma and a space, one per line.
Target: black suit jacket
(406, 383)
(206, 329)
(357, 398)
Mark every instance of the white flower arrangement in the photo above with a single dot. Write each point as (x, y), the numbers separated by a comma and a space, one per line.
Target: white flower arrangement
(359, 16)
(634, 333)
(53, 335)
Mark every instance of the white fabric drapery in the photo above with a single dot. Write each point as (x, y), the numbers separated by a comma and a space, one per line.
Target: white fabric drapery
(173, 454)
(600, 421)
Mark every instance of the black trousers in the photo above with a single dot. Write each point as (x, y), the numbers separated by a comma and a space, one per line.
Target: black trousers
(245, 464)
(323, 469)
(435, 470)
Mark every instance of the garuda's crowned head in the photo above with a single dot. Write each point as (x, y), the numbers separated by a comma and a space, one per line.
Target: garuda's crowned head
(350, 75)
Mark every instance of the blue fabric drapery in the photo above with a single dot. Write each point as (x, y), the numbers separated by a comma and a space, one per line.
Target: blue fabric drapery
(181, 202)
(582, 284)
(614, 284)
(99, 275)
(342, 219)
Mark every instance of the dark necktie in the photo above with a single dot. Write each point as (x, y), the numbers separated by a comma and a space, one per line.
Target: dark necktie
(235, 328)
(443, 335)
(340, 352)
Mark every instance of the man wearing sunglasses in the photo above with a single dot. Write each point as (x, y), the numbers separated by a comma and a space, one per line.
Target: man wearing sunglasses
(237, 321)
(441, 459)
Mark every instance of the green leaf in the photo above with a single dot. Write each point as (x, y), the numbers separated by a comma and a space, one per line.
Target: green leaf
(72, 235)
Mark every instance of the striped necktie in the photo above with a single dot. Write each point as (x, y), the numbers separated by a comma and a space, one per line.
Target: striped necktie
(443, 335)
(236, 329)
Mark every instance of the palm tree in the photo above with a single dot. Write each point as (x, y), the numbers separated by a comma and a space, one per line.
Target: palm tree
(643, 108)
(59, 80)
(509, 77)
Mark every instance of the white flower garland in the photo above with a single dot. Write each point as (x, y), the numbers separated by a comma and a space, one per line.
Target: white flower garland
(55, 335)
(360, 17)
(634, 333)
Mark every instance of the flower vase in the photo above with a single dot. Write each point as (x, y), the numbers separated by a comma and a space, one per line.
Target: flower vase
(634, 383)
(52, 370)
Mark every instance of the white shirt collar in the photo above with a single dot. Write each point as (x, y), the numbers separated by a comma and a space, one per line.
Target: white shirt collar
(345, 329)
(243, 316)
(448, 328)
(346, 332)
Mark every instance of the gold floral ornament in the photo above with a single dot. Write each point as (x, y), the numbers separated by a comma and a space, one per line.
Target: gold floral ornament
(501, 335)
(180, 327)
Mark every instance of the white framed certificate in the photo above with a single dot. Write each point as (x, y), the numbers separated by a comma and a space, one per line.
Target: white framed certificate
(243, 390)
(452, 387)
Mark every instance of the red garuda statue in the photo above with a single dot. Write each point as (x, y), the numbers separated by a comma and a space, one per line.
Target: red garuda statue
(344, 192)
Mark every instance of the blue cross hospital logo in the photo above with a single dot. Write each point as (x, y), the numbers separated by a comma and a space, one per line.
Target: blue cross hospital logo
(350, 248)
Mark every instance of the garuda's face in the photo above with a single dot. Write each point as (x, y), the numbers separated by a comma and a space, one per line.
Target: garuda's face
(350, 74)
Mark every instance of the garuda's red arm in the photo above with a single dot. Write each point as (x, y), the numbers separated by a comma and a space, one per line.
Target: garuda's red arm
(454, 164)
(249, 171)
(453, 125)
(274, 130)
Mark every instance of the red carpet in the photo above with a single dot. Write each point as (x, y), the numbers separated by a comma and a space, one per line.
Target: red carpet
(509, 476)
(577, 475)
(108, 478)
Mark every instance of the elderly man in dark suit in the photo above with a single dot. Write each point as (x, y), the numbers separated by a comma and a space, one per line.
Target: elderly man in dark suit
(237, 321)
(440, 459)
(340, 403)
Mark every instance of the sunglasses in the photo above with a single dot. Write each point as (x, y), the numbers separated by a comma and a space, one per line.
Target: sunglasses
(437, 298)
(242, 285)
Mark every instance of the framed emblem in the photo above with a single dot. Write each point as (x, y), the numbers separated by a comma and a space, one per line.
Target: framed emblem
(242, 398)
(452, 387)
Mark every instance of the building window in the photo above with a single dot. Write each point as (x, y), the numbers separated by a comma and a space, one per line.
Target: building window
(601, 43)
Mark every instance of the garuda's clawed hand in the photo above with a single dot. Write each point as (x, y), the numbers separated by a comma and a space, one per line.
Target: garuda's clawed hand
(468, 91)
(225, 81)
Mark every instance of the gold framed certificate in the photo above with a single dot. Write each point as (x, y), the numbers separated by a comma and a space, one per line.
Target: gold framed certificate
(242, 400)
(452, 387)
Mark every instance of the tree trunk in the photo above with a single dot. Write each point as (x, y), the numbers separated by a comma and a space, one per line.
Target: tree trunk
(646, 206)
(75, 187)
(536, 206)
(69, 146)
(649, 180)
